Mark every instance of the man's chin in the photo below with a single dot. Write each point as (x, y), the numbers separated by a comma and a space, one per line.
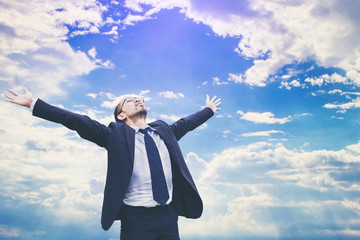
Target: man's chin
(142, 113)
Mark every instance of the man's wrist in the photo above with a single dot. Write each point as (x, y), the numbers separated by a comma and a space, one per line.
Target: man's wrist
(33, 102)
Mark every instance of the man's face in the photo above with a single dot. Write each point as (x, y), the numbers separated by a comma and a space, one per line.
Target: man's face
(134, 106)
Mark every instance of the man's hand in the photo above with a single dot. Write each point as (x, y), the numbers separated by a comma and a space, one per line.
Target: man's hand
(213, 103)
(25, 99)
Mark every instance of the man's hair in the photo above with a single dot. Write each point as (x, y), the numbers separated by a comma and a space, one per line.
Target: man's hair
(117, 112)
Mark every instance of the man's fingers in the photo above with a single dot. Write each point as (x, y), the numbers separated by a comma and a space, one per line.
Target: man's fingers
(212, 100)
(13, 92)
(8, 95)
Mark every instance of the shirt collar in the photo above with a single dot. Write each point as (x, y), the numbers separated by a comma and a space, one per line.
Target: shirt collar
(136, 128)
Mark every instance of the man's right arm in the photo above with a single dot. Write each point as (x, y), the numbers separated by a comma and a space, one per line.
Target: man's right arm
(87, 128)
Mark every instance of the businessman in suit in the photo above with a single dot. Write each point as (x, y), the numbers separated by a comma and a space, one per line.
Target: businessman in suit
(148, 184)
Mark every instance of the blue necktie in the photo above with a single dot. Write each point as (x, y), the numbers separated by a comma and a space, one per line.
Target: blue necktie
(159, 187)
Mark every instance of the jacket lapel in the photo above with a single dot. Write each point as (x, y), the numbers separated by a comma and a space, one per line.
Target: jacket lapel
(130, 137)
(164, 134)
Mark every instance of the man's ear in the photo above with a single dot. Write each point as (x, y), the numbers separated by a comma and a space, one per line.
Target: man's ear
(121, 116)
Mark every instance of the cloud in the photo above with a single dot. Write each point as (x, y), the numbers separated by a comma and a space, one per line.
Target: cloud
(261, 133)
(171, 95)
(34, 49)
(355, 103)
(217, 82)
(258, 183)
(104, 64)
(92, 95)
(225, 133)
(290, 85)
(335, 91)
(274, 34)
(143, 92)
(114, 32)
(133, 19)
(264, 117)
(7, 232)
(326, 78)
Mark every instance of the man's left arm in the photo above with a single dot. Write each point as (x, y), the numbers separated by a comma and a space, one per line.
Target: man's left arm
(184, 125)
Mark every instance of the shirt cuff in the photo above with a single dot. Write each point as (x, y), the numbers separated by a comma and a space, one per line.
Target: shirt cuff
(33, 104)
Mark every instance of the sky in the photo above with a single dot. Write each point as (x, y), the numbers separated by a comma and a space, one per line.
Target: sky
(280, 160)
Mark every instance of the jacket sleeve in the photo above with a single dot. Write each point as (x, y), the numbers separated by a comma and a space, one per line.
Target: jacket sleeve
(87, 128)
(186, 124)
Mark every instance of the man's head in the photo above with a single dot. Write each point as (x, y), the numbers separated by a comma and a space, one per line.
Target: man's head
(130, 107)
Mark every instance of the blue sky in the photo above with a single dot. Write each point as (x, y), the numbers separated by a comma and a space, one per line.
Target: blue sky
(279, 161)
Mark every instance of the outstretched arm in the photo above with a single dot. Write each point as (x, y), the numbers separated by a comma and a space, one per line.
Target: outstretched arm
(87, 128)
(184, 125)
(25, 99)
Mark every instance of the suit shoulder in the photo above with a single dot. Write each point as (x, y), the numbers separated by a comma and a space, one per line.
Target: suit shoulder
(158, 123)
(113, 125)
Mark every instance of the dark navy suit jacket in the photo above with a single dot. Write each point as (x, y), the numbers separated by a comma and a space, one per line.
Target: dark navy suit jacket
(119, 140)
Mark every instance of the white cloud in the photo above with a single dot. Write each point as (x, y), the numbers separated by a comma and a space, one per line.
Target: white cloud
(195, 164)
(264, 117)
(113, 31)
(355, 103)
(335, 91)
(92, 52)
(143, 92)
(7, 232)
(351, 93)
(217, 82)
(289, 85)
(133, 19)
(355, 206)
(277, 33)
(261, 133)
(226, 133)
(333, 78)
(171, 95)
(133, 5)
(92, 95)
(237, 78)
(104, 64)
(38, 38)
(315, 81)
(295, 83)
(256, 181)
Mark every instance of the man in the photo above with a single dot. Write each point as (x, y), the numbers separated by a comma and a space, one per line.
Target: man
(148, 184)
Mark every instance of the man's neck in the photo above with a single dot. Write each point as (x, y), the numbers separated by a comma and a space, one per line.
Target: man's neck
(138, 122)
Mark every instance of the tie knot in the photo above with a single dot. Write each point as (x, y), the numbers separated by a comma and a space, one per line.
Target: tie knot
(144, 131)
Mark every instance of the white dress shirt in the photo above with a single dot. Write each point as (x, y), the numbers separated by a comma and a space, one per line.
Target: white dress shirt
(139, 192)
